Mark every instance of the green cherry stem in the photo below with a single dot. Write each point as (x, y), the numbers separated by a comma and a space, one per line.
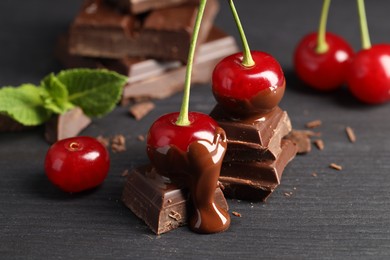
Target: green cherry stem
(366, 43)
(183, 120)
(247, 59)
(322, 45)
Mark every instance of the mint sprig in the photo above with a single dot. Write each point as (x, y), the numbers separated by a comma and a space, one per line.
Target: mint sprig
(95, 91)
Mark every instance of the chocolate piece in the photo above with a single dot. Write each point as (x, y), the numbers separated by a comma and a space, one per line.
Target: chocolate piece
(7, 124)
(161, 204)
(351, 134)
(67, 125)
(260, 134)
(256, 180)
(140, 6)
(313, 124)
(102, 31)
(302, 139)
(139, 110)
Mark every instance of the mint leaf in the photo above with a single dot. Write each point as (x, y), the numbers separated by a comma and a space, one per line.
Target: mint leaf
(95, 91)
(56, 95)
(24, 104)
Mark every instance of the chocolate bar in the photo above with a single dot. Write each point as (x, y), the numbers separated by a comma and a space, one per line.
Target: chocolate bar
(140, 6)
(161, 204)
(66, 125)
(255, 180)
(254, 138)
(101, 30)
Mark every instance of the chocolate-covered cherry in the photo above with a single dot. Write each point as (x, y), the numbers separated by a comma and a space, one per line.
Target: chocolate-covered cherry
(321, 59)
(322, 70)
(248, 83)
(192, 155)
(368, 77)
(77, 164)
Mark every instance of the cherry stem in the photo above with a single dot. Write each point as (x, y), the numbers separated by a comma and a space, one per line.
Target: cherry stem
(322, 45)
(183, 120)
(247, 59)
(366, 42)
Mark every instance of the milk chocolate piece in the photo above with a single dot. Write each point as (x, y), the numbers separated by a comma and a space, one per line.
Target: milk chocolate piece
(140, 6)
(261, 134)
(100, 30)
(161, 204)
(256, 180)
(67, 125)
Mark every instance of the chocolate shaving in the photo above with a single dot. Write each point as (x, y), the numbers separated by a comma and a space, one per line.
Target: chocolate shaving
(125, 173)
(335, 166)
(103, 140)
(313, 124)
(118, 144)
(139, 110)
(351, 134)
(314, 174)
(235, 213)
(141, 138)
(320, 144)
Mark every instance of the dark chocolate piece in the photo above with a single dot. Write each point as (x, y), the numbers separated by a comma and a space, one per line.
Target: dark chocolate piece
(256, 180)
(261, 134)
(140, 6)
(102, 31)
(67, 125)
(7, 124)
(161, 204)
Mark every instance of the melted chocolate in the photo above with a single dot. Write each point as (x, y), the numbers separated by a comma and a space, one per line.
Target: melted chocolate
(198, 168)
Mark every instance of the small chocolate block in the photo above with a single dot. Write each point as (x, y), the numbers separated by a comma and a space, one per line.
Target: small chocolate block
(161, 204)
(67, 125)
(255, 180)
(101, 30)
(260, 134)
(7, 124)
(140, 6)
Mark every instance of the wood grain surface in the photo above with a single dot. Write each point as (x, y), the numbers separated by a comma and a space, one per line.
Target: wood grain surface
(316, 213)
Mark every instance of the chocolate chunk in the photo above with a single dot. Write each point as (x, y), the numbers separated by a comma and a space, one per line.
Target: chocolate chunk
(256, 180)
(302, 139)
(161, 204)
(261, 134)
(67, 125)
(140, 6)
(141, 109)
(7, 124)
(100, 30)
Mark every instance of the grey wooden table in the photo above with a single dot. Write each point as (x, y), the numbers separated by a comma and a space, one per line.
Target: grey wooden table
(331, 215)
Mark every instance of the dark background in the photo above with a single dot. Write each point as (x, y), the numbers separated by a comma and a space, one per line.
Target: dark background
(336, 215)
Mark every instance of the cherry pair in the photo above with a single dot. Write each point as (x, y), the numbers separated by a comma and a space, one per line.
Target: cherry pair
(326, 61)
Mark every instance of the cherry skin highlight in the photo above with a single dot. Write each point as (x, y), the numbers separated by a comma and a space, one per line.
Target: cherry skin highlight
(322, 71)
(368, 77)
(77, 164)
(248, 90)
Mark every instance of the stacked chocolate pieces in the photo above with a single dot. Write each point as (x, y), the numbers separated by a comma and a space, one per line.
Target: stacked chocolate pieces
(146, 40)
(257, 153)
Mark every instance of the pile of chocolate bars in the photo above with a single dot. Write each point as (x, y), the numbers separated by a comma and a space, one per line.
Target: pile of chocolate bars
(146, 40)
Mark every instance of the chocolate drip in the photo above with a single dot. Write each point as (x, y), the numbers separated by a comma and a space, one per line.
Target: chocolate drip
(198, 168)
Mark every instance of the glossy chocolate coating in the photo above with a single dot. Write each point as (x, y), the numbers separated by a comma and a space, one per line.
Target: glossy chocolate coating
(198, 168)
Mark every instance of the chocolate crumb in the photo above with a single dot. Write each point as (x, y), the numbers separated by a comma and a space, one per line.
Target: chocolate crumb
(313, 124)
(235, 213)
(141, 138)
(103, 140)
(175, 215)
(139, 110)
(320, 144)
(125, 173)
(351, 134)
(314, 174)
(335, 166)
(118, 144)
(288, 194)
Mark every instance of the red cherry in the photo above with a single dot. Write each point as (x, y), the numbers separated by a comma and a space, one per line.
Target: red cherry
(322, 71)
(368, 77)
(248, 90)
(77, 164)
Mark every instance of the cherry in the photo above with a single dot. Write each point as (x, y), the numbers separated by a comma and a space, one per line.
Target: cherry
(321, 59)
(247, 83)
(77, 164)
(368, 77)
(188, 147)
(324, 71)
